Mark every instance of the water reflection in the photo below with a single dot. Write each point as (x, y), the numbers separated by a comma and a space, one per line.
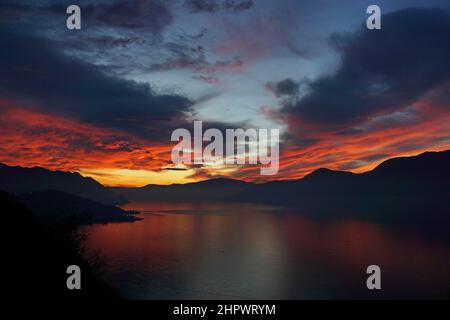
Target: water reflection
(221, 251)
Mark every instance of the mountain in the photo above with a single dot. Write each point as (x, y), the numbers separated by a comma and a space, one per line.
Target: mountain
(426, 176)
(58, 205)
(406, 184)
(19, 180)
(214, 189)
(426, 165)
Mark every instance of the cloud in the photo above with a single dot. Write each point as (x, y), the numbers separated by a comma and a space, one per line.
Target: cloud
(121, 36)
(31, 138)
(382, 71)
(186, 55)
(253, 40)
(212, 6)
(202, 5)
(175, 169)
(62, 113)
(105, 42)
(237, 5)
(33, 69)
(286, 87)
(207, 79)
(152, 15)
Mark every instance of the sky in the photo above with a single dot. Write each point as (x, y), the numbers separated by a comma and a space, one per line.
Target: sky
(104, 100)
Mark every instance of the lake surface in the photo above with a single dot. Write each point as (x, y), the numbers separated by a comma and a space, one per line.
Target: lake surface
(238, 251)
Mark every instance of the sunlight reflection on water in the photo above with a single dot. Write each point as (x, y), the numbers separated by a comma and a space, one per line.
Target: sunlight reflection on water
(232, 251)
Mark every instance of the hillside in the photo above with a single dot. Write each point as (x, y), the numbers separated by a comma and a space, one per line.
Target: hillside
(18, 180)
(59, 205)
(406, 185)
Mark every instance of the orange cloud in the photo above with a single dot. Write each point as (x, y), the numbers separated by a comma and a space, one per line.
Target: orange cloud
(113, 157)
(363, 151)
(35, 139)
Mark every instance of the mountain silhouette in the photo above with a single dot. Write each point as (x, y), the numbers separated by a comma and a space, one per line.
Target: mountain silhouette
(54, 205)
(409, 186)
(404, 186)
(18, 180)
(214, 189)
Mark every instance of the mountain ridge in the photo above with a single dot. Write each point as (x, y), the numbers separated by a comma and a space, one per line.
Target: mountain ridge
(56, 205)
(18, 180)
(426, 174)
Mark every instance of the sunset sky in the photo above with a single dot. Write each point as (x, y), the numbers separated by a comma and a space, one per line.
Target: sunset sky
(104, 100)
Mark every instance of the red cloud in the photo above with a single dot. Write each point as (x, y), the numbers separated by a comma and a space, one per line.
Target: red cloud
(35, 139)
(30, 138)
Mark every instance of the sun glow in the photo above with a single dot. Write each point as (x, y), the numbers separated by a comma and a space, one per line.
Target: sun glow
(138, 178)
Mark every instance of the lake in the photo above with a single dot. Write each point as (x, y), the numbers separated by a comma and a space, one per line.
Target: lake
(246, 251)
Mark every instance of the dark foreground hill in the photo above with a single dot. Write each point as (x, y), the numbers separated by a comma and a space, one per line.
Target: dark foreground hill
(36, 255)
(58, 205)
(18, 180)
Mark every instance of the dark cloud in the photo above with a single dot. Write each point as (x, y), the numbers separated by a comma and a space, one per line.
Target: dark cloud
(154, 15)
(111, 31)
(188, 55)
(382, 70)
(286, 87)
(202, 5)
(10, 11)
(214, 5)
(111, 42)
(237, 5)
(43, 77)
(199, 35)
(175, 169)
(181, 55)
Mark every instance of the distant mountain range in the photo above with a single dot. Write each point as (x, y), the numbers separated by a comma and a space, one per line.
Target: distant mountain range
(401, 184)
(18, 180)
(428, 173)
(215, 189)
